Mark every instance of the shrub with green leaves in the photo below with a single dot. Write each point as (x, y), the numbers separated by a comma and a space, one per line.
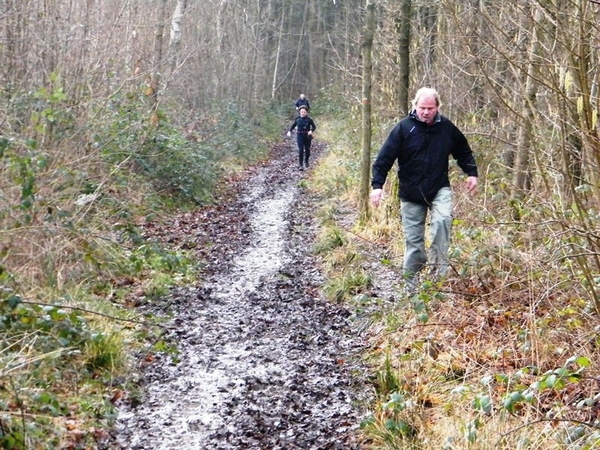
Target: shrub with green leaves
(46, 351)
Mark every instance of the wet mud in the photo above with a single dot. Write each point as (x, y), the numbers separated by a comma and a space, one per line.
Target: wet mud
(264, 361)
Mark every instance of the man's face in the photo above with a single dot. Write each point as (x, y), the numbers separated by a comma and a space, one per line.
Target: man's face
(303, 112)
(427, 109)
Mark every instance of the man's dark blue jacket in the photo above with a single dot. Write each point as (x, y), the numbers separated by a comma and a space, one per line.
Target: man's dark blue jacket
(301, 102)
(422, 152)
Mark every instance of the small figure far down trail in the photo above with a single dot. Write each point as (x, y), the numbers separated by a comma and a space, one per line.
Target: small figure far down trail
(305, 127)
(302, 101)
(422, 143)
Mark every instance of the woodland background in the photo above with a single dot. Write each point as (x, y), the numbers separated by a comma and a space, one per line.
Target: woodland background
(115, 112)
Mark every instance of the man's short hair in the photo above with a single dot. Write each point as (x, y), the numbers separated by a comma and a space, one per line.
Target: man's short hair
(427, 91)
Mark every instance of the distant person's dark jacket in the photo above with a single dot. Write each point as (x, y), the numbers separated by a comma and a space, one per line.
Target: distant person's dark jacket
(301, 102)
(422, 152)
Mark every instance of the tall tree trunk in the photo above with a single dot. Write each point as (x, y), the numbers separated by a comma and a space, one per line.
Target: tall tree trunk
(277, 54)
(404, 58)
(581, 62)
(301, 51)
(477, 92)
(313, 47)
(256, 33)
(222, 44)
(523, 151)
(157, 56)
(365, 166)
(430, 18)
(175, 38)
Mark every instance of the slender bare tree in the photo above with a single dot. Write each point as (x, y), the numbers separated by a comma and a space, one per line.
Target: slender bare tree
(176, 32)
(365, 164)
(404, 24)
(158, 54)
(529, 106)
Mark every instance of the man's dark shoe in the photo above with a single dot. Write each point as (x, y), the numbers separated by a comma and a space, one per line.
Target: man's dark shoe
(306, 164)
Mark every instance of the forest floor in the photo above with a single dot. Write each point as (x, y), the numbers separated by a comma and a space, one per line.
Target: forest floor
(263, 361)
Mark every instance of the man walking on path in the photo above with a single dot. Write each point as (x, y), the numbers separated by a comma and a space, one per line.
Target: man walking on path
(422, 144)
(302, 101)
(304, 129)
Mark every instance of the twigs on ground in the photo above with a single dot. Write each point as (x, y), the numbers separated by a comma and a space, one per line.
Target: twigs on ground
(89, 311)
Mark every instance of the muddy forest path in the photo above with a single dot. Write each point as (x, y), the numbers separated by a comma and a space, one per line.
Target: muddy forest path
(264, 362)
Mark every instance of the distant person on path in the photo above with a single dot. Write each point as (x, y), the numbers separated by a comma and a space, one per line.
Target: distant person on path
(302, 101)
(422, 144)
(304, 132)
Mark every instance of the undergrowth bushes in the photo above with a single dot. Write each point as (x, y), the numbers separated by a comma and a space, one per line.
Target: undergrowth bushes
(49, 355)
(73, 202)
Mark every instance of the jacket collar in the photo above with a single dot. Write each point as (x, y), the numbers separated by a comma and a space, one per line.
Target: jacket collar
(436, 119)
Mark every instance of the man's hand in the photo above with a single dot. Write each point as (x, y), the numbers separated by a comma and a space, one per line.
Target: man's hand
(376, 196)
(471, 184)
(289, 133)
